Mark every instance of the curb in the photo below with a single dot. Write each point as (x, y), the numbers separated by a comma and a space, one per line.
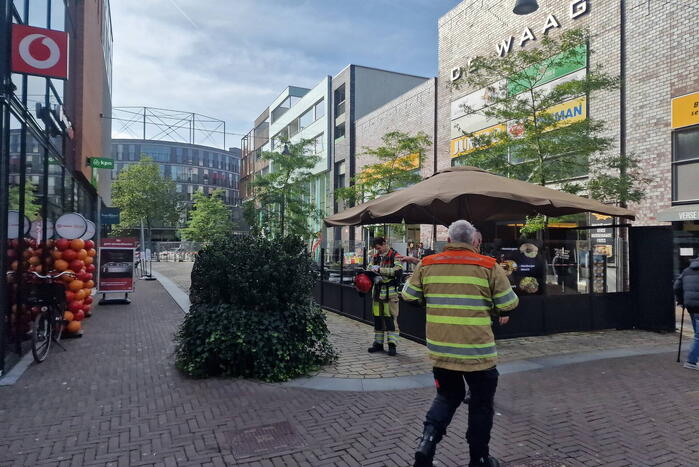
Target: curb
(177, 294)
(425, 380)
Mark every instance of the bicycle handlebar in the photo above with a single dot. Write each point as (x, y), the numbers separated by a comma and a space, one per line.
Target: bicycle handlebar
(48, 276)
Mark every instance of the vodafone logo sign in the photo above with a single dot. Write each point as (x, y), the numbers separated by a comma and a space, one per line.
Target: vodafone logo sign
(38, 51)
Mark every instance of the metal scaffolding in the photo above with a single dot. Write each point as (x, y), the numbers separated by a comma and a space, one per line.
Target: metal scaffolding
(152, 123)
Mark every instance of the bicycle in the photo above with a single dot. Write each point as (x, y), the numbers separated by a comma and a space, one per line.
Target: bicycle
(49, 297)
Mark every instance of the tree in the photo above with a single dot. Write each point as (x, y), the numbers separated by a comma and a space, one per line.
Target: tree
(210, 219)
(31, 209)
(395, 168)
(143, 194)
(280, 205)
(397, 161)
(533, 138)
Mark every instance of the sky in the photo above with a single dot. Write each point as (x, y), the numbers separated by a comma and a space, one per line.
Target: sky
(229, 59)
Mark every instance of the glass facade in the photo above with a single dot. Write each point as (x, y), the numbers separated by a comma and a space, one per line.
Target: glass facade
(41, 177)
(190, 166)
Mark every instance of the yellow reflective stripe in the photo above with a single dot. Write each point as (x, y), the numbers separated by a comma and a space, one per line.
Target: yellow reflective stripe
(455, 280)
(459, 307)
(463, 346)
(471, 357)
(455, 295)
(502, 294)
(460, 320)
(508, 303)
(410, 284)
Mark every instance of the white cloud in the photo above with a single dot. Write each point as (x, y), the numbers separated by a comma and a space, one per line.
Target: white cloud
(229, 58)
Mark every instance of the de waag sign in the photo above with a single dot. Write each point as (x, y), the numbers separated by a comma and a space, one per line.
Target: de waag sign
(116, 271)
(39, 51)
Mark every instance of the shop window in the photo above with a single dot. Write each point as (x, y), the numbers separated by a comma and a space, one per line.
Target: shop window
(685, 161)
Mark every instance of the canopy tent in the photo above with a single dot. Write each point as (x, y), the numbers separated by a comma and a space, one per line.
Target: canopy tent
(472, 194)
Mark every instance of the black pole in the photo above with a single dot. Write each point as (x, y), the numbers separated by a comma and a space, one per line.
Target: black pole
(342, 262)
(6, 88)
(679, 347)
(322, 275)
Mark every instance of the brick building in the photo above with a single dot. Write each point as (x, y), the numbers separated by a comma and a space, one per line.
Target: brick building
(649, 43)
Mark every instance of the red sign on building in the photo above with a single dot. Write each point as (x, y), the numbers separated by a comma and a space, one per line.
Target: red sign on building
(38, 51)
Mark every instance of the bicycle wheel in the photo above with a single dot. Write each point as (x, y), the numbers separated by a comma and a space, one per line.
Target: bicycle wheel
(42, 333)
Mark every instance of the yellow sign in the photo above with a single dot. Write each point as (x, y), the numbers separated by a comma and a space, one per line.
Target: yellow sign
(466, 144)
(409, 162)
(685, 110)
(570, 112)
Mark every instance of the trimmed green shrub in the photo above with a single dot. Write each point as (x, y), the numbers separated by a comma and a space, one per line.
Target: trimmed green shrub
(252, 312)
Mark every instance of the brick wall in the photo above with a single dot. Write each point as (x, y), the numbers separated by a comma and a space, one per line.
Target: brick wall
(659, 66)
(410, 113)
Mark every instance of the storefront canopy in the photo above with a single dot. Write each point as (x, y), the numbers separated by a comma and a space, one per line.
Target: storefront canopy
(472, 194)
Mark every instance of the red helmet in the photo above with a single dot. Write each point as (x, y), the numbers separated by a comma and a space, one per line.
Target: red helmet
(363, 283)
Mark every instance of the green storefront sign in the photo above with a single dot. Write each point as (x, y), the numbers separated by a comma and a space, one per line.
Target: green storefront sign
(554, 69)
(101, 163)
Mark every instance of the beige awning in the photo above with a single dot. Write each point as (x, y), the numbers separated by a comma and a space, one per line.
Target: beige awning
(469, 193)
(688, 212)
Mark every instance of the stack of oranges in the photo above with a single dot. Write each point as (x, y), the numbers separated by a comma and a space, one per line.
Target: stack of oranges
(78, 257)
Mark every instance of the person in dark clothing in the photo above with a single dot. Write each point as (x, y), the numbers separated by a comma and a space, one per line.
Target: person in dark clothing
(687, 294)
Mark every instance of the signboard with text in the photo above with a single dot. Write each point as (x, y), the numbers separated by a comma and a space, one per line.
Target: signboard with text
(39, 51)
(101, 163)
(685, 110)
(116, 265)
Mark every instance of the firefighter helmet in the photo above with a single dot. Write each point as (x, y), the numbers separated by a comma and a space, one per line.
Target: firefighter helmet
(363, 283)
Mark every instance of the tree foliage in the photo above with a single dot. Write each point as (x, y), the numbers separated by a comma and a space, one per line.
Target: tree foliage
(141, 193)
(210, 219)
(534, 142)
(31, 208)
(397, 160)
(281, 205)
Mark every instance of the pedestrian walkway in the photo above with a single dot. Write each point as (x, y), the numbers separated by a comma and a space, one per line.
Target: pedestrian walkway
(352, 338)
(114, 398)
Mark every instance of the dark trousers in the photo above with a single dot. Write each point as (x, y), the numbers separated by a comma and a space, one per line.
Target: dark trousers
(451, 390)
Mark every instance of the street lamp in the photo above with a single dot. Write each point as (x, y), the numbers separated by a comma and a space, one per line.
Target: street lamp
(524, 7)
(285, 151)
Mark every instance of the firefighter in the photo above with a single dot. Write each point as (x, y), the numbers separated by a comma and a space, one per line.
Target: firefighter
(460, 287)
(385, 296)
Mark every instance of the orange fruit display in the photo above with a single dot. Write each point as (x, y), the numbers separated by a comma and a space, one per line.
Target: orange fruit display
(82, 254)
(91, 252)
(68, 316)
(77, 244)
(61, 265)
(73, 327)
(76, 285)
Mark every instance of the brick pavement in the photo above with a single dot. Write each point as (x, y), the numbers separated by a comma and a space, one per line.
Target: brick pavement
(114, 398)
(351, 338)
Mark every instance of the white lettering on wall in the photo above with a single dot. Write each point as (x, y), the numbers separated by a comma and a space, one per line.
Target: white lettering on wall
(578, 8)
(527, 35)
(504, 47)
(455, 73)
(551, 22)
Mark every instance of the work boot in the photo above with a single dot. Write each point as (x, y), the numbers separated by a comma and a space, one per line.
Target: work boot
(483, 462)
(427, 447)
(376, 348)
(392, 350)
